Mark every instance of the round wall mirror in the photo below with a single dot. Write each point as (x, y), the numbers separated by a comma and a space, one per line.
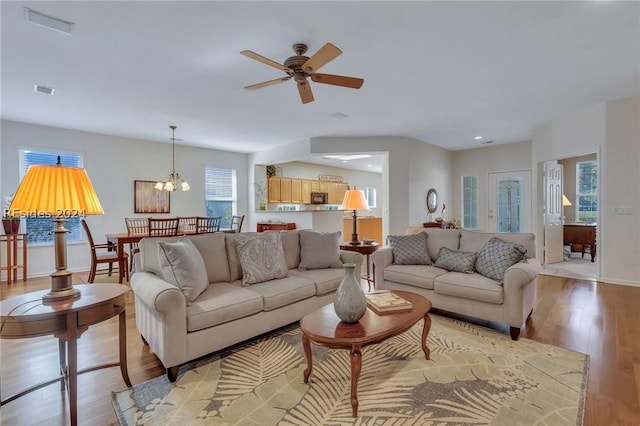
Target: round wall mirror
(432, 200)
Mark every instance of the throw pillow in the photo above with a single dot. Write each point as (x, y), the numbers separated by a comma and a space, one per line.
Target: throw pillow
(261, 257)
(498, 255)
(409, 249)
(456, 261)
(319, 250)
(181, 265)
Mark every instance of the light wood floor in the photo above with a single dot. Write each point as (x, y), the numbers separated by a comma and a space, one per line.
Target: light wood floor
(601, 320)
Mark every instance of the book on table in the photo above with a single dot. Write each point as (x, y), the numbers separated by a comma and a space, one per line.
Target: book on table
(386, 301)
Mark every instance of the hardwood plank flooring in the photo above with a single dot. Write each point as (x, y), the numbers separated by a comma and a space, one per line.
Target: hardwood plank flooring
(599, 319)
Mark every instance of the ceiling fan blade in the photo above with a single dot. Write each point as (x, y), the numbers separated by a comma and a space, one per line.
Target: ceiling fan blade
(264, 60)
(267, 83)
(338, 80)
(327, 53)
(306, 95)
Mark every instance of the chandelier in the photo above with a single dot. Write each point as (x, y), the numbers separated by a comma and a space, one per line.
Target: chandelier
(171, 184)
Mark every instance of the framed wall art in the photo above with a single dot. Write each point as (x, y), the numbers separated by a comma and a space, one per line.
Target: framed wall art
(147, 199)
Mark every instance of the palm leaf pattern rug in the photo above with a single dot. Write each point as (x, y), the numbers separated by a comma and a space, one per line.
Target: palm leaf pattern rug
(475, 376)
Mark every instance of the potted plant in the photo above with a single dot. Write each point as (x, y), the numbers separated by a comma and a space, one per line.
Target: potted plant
(10, 223)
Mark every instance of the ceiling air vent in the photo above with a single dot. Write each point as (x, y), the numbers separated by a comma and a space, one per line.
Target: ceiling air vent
(47, 21)
(44, 89)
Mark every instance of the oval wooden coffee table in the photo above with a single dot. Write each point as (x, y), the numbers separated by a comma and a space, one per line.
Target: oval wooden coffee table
(324, 327)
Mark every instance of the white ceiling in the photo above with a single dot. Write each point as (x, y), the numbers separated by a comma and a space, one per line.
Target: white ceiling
(440, 72)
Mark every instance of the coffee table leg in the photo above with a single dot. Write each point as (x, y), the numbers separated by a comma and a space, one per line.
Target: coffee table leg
(306, 344)
(356, 364)
(425, 333)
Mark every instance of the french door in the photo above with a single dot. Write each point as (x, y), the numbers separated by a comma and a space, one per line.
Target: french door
(510, 201)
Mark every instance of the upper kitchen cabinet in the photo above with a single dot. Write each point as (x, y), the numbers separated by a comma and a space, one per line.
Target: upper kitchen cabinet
(274, 190)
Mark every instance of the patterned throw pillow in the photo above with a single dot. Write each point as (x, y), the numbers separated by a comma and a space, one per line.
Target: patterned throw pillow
(319, 250)
(261, 257)
(181, 265)
(409, 249)
(498, 255)
(456, 261)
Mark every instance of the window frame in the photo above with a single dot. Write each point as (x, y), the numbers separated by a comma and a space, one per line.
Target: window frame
(233, 198)
(473, 214)
(593, 193)
(370, 194)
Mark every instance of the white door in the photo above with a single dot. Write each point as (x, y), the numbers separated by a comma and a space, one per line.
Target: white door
(553, 248)
(510, 201)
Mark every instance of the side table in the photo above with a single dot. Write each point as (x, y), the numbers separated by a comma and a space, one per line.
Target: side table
(27, 316)
(366, 250)
(12, 267)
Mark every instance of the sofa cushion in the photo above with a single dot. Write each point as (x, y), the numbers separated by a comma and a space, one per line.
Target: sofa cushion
(220, 303)
(438, 238)
(319, 250)
(213, 250)
(409, 249)
(261, 257)
(469, 286)
(181, 265)
(496, 256)
(416, 275)
(282, 292)
(291, 247)
(455, 260)
(326, 280)
(475, 240)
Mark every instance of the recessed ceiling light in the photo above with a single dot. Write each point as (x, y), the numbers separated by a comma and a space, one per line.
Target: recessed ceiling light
(47, 21)
(369, 165)
(338, 115)
(43, 89)
(478, 138)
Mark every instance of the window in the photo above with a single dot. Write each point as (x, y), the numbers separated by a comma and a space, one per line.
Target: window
(39, 229)
(370, 195)
(587, 191)
(469, 202)
(221, 194)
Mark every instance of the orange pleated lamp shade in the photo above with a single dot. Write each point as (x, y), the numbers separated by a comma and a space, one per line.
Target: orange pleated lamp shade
(354, 199)
(57, 191)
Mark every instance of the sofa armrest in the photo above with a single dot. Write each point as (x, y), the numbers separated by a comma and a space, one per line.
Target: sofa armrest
(347, 256)
(157, 294)
(520, 274)
(381, 259)
(520, 282)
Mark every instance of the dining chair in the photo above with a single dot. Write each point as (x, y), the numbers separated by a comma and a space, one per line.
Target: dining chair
(208, 224)
(163, 227)
(236, 223)
(187, 224)
(136, 226)
(103, 253)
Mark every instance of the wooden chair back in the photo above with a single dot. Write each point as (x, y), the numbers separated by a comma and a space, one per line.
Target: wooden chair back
(187, 224)
(208, 224)
(102, 253)
(163, 227)
(137, 225)
(236, 223)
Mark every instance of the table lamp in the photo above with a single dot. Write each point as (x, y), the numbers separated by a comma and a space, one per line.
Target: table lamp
(59, 192)
(354, 199)
(565, 201)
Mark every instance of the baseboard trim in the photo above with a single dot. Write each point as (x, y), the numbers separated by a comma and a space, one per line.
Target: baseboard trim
(619, 282)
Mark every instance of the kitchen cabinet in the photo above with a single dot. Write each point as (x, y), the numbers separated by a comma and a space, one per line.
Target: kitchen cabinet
(305, 191)
(273, 195)
(323, 186)
(315, 186)
(285, 190)
(296, 191)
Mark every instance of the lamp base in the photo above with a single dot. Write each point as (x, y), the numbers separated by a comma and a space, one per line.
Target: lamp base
(354, 242)
(61, 288)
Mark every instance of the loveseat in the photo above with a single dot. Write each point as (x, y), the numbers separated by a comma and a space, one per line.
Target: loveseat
(506, 298)
(180, 325)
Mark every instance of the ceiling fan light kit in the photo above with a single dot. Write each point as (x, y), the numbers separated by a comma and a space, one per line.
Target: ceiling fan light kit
(300, 68)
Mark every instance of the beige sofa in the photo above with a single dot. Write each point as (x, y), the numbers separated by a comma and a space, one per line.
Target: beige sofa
(469, 294)
(226, 312)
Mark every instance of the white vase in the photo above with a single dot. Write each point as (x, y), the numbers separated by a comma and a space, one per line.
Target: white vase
(350, 303)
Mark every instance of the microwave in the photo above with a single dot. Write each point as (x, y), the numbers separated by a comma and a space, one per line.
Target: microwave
(319, 198)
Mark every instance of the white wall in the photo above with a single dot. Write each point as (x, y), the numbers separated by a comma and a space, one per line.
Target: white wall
(611, 131)
(113, 163)
(480, 162)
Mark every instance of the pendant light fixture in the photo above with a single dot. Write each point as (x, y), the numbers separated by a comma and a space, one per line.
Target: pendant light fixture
(171, 184)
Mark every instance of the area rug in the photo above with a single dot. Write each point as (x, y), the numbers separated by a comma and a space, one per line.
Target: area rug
(475, 376)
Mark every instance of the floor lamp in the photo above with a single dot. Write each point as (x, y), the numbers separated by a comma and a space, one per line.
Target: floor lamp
(58, 192)
(354, 199)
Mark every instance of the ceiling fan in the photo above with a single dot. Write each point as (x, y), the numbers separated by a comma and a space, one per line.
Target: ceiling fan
(299, 67)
